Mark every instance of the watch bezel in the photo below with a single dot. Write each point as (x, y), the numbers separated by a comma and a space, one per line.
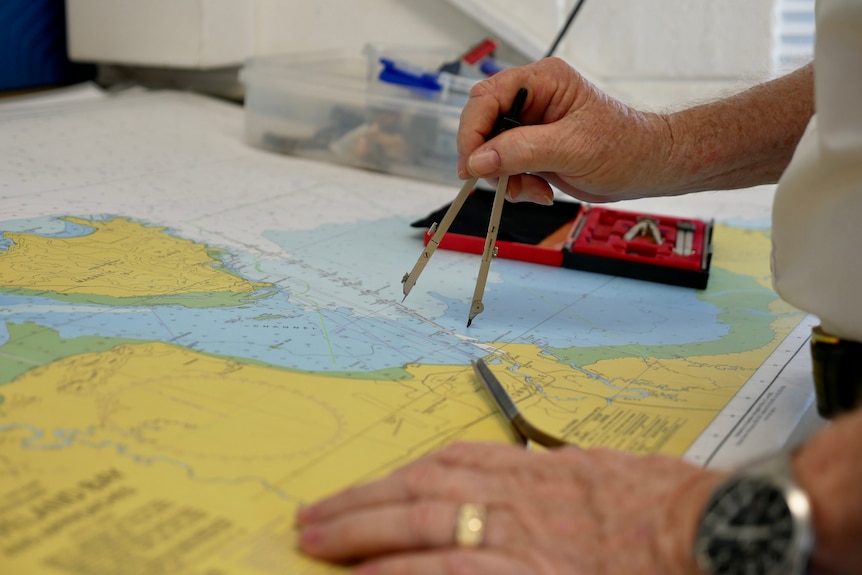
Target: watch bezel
(774, 472)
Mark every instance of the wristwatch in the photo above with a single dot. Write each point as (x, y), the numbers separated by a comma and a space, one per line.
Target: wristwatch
(837, 365)
(758, 522)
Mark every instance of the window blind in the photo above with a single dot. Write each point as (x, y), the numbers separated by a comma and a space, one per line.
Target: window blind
(795, 42)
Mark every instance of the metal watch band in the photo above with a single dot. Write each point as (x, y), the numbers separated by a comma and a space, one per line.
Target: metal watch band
(837, 366)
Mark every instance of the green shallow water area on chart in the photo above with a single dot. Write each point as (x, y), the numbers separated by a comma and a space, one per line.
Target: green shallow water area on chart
(321, 310)
(746, 307)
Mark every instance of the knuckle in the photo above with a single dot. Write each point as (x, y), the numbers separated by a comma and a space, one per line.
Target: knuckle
(481, 89)
(554, 62)
(420, 521)
(419, 478)
(348, 536)
(521, 150)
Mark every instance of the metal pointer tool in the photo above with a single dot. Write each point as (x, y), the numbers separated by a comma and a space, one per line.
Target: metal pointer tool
(504, 122)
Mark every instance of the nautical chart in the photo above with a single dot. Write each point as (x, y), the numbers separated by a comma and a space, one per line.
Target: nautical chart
(197, 337)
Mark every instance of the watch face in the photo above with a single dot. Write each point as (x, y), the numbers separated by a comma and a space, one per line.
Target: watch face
(748, 529)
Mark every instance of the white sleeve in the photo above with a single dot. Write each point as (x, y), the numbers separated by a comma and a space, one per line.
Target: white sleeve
(817, 214)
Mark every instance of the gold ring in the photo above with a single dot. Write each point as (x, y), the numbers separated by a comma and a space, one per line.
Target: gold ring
(470, 525)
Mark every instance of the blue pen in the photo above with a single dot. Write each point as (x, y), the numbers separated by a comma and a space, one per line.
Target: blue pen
(404, 74)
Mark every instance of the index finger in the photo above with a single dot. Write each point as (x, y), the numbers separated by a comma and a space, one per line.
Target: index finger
(488, 99)
(552, 88)
(426, 477)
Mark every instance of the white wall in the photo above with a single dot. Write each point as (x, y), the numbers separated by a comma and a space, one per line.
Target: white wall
(649, 52)
(164, 33)
(217, 33)
(298, 25)
(654, 53)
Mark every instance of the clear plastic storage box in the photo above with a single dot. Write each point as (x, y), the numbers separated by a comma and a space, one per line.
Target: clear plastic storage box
(333, 108)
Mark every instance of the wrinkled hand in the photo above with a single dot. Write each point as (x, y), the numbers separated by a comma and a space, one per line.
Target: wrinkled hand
(574, 137)
(567, 511)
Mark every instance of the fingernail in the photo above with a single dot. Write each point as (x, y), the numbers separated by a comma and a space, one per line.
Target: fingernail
(485, 162)
(545, 200)
(514, 196)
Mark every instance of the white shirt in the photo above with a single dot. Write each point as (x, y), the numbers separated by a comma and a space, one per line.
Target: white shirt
(817, 213)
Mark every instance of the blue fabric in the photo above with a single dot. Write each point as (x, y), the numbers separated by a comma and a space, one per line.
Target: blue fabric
(33, 46)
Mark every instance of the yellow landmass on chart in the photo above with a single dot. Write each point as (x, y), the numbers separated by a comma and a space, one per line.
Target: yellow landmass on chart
(744, 252)
(657, 399)
(120, 258)
(207, 458)
(639, 404)
(217, 446)
(127, 457)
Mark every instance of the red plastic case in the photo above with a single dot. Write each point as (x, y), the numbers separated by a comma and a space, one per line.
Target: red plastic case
(592, 238)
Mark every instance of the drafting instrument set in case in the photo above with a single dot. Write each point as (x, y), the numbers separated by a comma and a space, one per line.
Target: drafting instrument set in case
(594, 238)
(567, 234)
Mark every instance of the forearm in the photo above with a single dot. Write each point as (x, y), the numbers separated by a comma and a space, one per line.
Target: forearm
(740, 141)
(829, 468)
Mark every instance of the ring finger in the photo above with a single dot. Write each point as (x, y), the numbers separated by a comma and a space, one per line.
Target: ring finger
(428, 477)
(400, 527)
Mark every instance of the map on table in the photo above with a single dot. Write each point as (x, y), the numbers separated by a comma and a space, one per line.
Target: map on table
(184, 359)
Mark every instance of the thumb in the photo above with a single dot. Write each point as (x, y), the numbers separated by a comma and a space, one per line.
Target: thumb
(517, 151)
